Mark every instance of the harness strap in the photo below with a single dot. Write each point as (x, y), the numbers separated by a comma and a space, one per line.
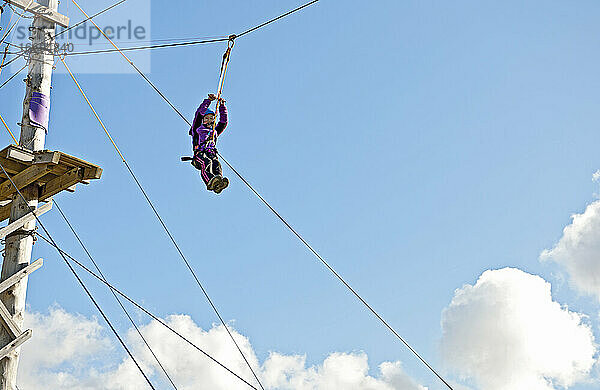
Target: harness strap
(224, 65)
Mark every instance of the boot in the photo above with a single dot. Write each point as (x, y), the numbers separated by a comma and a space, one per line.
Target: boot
(221, 185)
(213, 183)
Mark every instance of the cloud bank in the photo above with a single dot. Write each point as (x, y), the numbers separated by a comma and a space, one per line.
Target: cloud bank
(69, 352)
(578, 250)
(506, 333)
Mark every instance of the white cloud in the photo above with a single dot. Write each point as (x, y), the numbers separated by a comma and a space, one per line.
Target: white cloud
(85, 337)
(73, 352)
(506, 333)
(338, 371)
(61, 339)
(578, 250)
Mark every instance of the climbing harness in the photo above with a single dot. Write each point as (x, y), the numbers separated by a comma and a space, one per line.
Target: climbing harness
(212, 139)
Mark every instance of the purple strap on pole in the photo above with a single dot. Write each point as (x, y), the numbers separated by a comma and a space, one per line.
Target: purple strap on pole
(39, 110)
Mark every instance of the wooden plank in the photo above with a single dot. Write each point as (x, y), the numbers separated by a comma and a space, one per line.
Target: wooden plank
(61, 183)
(10, 281)
(42, 11)
(57, 170)
(5, 212)
(63, 172)
(4, 151)
(47, 158)
(16, 343)
(10, 166)
(19, 154)
(8, 323)
(91, 171)
(19, 223)
(23, 179)
(74, 161)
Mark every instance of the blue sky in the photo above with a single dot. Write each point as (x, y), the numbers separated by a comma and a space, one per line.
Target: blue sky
(415, 144)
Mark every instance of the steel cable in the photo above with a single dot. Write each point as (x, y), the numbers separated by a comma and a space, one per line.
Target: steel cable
(87, 252)
(13, 76)
(89, 294)
(134, 303)
(158, 216)
(323, 261)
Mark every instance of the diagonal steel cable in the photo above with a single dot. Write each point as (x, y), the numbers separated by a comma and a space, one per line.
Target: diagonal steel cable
(137, 329)
(147, 312)
(158, 216)
(87, 291)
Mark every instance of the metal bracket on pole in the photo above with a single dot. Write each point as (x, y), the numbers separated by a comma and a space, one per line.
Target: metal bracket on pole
(8, 323)
(41, 11)
(9, 282)
(16, 343)
(19, 223)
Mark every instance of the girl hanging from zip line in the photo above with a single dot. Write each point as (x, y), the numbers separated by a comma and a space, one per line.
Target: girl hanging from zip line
(204, 134)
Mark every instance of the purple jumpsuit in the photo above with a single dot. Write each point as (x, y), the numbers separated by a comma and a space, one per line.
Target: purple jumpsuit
(205, 151)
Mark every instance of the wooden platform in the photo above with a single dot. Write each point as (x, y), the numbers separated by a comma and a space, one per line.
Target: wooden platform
(52, 172)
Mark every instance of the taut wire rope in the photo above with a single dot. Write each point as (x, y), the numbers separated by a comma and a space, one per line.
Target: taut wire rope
(8, 129)
(140, 307)
(188, 265)
(88, 293)
(327, 265)
(16, 22)
(13, 76)
(137, 329)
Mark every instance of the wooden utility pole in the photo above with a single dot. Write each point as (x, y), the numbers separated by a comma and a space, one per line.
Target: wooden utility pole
(34, 126)
(36, 173)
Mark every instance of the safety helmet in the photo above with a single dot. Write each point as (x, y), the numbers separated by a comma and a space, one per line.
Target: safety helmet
(209, 112)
